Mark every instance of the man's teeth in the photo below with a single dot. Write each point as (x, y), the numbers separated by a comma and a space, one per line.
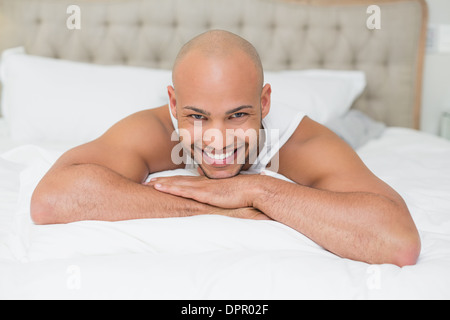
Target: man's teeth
(221, 156)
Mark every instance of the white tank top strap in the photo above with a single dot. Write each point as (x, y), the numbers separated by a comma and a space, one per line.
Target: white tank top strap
(279, 125)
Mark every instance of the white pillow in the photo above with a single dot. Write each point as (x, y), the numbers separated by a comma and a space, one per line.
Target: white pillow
(321, 94)
(62, 101)
(50, 100)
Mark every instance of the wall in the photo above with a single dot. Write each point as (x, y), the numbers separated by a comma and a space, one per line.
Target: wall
(436, 90)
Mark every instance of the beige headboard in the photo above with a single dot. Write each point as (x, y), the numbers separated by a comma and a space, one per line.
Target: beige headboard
(331, 34)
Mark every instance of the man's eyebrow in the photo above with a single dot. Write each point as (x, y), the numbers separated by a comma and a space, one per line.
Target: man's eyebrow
(238, 109)
(206, 113)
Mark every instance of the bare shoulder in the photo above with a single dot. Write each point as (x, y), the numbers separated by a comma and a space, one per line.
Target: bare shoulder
(315, 156)
(145, 130)
(133, 147)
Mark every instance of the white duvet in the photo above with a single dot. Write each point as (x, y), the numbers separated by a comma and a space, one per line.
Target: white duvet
(215, 257)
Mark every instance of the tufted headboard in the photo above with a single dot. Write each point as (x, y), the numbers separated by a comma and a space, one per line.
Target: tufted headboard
(302, 34)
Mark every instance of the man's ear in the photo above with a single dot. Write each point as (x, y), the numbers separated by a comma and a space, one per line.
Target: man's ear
(265, 100)
(172, 101)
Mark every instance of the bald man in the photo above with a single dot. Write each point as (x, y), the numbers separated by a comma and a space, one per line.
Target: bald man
(218, 87)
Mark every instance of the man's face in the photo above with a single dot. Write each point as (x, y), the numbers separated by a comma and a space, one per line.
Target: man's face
(219, 105)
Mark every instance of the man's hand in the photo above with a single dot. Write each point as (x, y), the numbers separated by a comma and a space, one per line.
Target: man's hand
(232, 197)
(232, 193)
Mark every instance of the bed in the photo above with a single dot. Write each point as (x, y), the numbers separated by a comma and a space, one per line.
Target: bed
(359, 77)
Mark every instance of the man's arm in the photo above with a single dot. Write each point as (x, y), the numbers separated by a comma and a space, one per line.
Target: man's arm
(361, 226)
(337, 202)
(102, 180)
(93, 192)
(358, 225)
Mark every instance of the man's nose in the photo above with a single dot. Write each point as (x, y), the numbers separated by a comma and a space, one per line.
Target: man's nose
(218, 137)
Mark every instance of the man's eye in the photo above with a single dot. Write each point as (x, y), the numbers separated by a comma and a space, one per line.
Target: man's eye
(197, 117)
(239, 115)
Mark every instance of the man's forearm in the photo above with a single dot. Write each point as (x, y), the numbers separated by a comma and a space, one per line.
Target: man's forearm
(93, 192)
(357, 226)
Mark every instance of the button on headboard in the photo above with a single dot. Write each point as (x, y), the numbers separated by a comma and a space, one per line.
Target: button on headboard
(331, 34)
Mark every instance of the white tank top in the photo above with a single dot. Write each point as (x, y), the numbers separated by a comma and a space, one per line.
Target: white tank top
(279, 125)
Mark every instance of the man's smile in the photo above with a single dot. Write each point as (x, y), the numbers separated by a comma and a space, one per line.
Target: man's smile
(220, 159)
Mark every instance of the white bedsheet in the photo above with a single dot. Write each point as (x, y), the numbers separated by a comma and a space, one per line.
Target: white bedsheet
(215, 257)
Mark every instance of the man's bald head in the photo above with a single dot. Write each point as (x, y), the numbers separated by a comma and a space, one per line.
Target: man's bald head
(218, 82)
(220, 44)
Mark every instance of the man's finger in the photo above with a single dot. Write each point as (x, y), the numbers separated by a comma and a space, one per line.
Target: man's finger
(175, 190)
